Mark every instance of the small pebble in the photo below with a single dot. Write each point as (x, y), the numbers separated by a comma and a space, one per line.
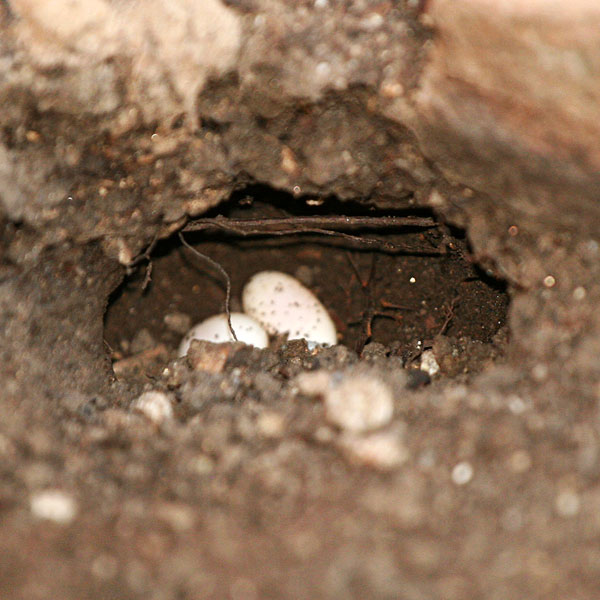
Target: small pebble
(353, 402)
(209, 357)
(462, 473)
(567, 503)
(54, 505)
(429, 364)
(271, 424)
(383, 450)
(516, 404)
(359, 403)
(156, 406)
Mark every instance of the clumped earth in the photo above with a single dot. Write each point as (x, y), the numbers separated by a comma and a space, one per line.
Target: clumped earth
(344, 472)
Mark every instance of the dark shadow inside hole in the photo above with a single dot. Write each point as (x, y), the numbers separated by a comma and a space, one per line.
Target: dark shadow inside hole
(396, 298)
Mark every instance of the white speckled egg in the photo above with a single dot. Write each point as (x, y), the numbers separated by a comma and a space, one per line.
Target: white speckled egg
(281, 304)
(215, 329)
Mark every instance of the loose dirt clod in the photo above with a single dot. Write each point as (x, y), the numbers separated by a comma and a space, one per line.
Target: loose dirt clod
(208, 356)
(355, 403)
(382, 450)
(156, 406)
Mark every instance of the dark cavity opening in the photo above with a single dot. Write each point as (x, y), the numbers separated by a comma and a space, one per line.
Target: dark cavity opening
(403, 289)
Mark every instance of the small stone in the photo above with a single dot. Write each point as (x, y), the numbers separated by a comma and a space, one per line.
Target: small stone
(359, 403)
(383, 450)
(462, 473)
(516, 404)
(209, 357)
(271, 424)
(178, 322)
(156, 406)
(429, 364)
(54, 505)
(567, 503)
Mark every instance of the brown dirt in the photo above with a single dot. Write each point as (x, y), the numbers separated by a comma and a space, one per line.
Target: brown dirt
(116, 129)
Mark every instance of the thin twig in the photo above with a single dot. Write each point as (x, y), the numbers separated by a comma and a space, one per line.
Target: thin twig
(213, 263)
(449, 314)
(146, 254)
(301, 223)
(322, 225)
(147, 276)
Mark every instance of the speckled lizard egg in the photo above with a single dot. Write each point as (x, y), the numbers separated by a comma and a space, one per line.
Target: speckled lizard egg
(215, 329)
(281, 304)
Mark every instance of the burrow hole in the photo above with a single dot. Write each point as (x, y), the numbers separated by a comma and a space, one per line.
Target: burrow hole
(403, 298)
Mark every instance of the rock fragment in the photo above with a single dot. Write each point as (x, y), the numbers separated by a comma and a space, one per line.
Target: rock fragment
(353, 402)
(53, 505)
(154, 405)
(383, 450)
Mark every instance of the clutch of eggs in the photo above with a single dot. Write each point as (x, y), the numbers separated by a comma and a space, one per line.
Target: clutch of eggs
(274, 303)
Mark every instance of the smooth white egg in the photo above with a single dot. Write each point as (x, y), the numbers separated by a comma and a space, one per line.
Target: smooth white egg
(215, 329)
(281, 304)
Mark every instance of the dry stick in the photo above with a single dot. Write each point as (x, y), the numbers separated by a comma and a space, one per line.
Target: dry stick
(146, 254)
(449, 314)
(339, 221)
(314, 224)
(225, 275)
(147, 276)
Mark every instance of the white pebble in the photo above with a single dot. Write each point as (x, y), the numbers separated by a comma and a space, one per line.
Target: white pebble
(156, 406)
(382, 450)
(462, 473)
(215, 329)
(567, 503)
(283, 305)
(53, 505)
(429, 364)
(359, 403)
